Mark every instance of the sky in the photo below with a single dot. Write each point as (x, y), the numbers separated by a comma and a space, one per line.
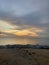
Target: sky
(24, 18)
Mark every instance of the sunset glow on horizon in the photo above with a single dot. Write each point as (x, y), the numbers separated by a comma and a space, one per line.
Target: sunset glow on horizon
(11, 29)
(24, 18)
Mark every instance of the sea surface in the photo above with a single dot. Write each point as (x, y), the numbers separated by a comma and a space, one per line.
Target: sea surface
(40, 41)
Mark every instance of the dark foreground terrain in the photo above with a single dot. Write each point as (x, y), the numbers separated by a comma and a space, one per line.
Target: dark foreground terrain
(23, 56)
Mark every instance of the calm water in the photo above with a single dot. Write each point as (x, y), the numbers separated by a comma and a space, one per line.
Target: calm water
(43, 41)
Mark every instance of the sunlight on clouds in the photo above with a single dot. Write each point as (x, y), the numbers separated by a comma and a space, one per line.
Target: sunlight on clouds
(29, 32)
(10, 31)
(4, 25)
(25, 33)
(21, 32)
(14, 29)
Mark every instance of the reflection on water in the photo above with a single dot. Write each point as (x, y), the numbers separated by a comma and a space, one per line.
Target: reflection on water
(24, 41)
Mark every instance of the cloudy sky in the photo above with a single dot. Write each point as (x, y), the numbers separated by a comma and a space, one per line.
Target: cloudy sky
(24, 18)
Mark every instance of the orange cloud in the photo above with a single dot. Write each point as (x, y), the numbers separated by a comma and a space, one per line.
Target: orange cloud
(12, 29)
(25, 33)
(29, 32)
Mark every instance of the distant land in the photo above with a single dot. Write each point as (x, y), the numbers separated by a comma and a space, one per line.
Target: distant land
(25, 46)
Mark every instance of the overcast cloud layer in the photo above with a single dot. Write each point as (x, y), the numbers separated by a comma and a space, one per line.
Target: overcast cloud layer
(24, 16)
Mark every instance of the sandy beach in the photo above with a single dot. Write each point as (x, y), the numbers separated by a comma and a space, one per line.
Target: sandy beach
(21, 56)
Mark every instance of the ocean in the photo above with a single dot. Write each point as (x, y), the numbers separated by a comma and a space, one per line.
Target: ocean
(40, 41)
